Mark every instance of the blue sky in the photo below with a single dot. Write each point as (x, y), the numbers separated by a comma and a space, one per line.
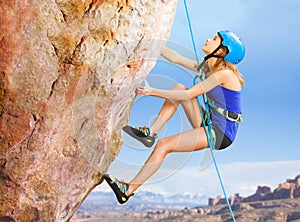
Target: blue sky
(267, 149)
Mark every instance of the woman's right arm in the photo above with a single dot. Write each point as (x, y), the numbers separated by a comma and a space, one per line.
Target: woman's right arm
(176, 58)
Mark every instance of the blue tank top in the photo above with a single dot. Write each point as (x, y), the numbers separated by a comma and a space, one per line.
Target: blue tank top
(229, 100)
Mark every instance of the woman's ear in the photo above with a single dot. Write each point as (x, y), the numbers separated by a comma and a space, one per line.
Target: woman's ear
(224, 51)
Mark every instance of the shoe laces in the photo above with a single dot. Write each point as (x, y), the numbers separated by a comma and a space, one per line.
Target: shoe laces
(121, 185)
(145, 130)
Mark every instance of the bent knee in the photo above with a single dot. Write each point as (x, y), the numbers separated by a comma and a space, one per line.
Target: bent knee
(179, 86)
(164, 146)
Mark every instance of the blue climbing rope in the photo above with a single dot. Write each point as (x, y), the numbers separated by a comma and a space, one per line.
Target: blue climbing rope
(208, 131)
(191, 32)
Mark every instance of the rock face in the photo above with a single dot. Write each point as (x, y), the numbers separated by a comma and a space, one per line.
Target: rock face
(68, 71)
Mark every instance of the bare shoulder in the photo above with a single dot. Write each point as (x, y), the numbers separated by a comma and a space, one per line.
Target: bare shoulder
(221, 75)
(228, 79)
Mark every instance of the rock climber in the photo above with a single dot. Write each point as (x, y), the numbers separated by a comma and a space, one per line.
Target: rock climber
(222, 85)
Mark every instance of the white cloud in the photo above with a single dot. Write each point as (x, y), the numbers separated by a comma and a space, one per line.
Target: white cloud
(242, 178)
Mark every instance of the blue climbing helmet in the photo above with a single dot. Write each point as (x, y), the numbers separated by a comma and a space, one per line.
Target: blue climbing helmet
(236, 49)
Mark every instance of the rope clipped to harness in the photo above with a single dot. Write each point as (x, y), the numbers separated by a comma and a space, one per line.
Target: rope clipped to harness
(208, 131)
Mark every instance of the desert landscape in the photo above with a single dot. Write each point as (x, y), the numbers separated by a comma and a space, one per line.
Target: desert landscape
(281, 204)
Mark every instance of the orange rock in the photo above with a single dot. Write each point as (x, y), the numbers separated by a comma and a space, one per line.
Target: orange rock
(65, 93)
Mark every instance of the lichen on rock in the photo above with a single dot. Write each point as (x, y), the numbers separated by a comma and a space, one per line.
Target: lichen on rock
(68, 72)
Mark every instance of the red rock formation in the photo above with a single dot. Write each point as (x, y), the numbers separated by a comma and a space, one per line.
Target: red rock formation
(219, 200)
(289, 189)
(214, 201)
(262, 193)
(68, 70)
(296, 191)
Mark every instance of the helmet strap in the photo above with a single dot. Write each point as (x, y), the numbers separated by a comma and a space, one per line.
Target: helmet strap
(211, 55)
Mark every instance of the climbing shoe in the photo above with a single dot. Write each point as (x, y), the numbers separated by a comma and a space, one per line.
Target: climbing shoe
(118, 187)
(142, 134)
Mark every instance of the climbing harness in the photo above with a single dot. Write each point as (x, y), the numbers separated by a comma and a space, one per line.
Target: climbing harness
(208, 130)
(231, 116)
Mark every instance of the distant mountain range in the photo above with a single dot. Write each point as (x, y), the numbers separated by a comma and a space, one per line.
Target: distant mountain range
(142, 201)
(282, 204)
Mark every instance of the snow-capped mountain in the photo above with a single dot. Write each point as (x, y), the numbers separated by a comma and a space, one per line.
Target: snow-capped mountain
(143, 201)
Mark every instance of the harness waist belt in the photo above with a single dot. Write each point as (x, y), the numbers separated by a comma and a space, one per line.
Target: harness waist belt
(234, 117)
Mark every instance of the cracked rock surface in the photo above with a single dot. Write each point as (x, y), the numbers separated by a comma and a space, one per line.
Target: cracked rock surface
(68, 71)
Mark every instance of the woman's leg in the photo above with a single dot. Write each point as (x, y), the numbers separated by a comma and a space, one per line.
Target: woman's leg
(169, 107)
(192, 140)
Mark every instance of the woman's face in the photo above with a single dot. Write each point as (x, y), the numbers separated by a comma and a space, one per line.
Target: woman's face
(211, 44)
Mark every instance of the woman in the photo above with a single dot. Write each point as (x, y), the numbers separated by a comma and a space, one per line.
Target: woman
(223, 85)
